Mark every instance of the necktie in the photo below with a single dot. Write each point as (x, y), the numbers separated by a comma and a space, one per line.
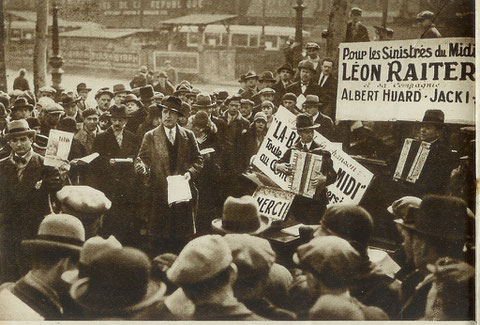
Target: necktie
(304, 87)
(170, 136)
(119, 140)
(322, 80)
(305, 147)
(19, 160)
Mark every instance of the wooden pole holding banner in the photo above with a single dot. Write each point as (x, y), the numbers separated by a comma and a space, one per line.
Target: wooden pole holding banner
(40, 46)
(337, 25)
(385, 13)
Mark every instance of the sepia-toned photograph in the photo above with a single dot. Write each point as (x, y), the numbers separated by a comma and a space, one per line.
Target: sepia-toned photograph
(237, 160)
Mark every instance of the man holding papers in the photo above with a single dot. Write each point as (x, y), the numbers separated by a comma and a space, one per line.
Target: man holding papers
(170, 150)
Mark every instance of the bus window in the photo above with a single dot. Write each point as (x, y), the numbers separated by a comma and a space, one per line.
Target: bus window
(192, 39)
(271, 42)
(253, 41)
(212, 39)
(239, 40)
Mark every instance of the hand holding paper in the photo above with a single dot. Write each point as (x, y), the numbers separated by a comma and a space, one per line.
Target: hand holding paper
(178, 189)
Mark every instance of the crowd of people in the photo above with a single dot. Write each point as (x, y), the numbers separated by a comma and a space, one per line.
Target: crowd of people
(100, 237)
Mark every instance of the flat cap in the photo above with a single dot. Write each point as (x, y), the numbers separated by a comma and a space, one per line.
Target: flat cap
(356, 11)
(312, 45)
(425, 15)
(201, 259)
(47, 89)
(266, 90)
(84, 200)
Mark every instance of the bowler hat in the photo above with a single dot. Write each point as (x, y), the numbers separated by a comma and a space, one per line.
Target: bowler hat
(203, 101)
(287, 67)
(250, 75)
(201, 259)
(267, 76)
(146, 93)
(40, 144)
(118, 281)
(82, 86)
(3, 111)
(89, 112)
(83, 200)
(57, 232)
(222, 95)
(304, 122)
(90, 249)
(349, 221)
(120, 88)
(241, 215)
(200, 120)
(173, 103)
(356, 11)
(442, 218)
(118, 111)
(306, 64)
(433, 116)
(21, 103)
(132, 98)
(18, 128)
(425, 15)
(102, 91)
(68, 99)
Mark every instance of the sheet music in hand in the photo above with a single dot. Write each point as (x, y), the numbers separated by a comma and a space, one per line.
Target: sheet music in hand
(178, 189)
(306, 166)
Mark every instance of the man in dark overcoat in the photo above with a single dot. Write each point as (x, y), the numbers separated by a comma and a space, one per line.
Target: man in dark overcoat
(115, 177)
(25, 184)
(169, 150)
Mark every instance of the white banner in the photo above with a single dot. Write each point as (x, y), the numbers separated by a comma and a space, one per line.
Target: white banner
(273, 202)
(400, 80)
(352, 178)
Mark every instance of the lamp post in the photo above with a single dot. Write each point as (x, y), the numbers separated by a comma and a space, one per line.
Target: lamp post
(56, 60)
(299, 7)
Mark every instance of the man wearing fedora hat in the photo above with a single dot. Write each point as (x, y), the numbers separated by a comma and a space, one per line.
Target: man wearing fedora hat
(251, 85)
(312, 50)
(162, 84)
(82, 92)
(356, 31)
(53, 250)
(116, 178)
(328, 88)
(70, 105)
(312, 107)
(439, 230)
(138, 117)
(267, 80)
(50, 116)
(132, 103)
(306, 85)
(425, 20)
(440, 162)
(303, 209)
(119, 93)
(24, 188)
(285, 73)
(104, 98)
(167, 150)
(20, 109)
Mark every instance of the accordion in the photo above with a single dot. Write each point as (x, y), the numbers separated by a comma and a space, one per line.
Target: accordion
(412, 159)
(306, 166)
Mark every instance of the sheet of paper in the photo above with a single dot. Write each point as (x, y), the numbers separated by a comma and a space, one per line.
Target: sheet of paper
(293, 230)
(178, 189)
(58, 148)
(88, 159)
(207, 151)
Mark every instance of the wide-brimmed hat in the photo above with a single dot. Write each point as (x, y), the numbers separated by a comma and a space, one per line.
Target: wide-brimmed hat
(287, 67)
(203, 101)
(118, 281)
(82, 86)
(21, 103)
(241, 215)
(132, 98)
(102, 91)
(433, 116)
(146, 93)
(250, 75)
(90, 249)
(306, 64)
(120, 88)
(304, 122)
(18, 128)
(173, 103)
(57, 232)
(68, 99)
(442, 217)
(267, 76)
(118, 111)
